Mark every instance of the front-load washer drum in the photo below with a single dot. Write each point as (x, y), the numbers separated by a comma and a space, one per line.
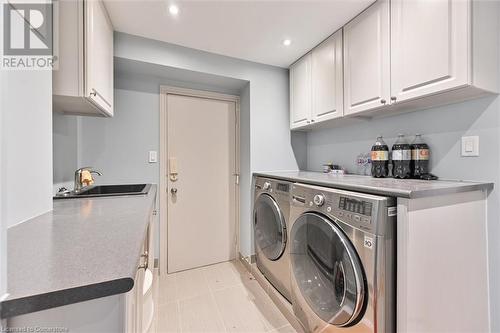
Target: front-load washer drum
(270, 227)
(327, 270)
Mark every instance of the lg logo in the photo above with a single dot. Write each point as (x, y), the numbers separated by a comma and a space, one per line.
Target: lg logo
(27, 29)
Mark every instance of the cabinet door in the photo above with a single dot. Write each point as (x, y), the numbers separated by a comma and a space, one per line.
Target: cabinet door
(327, 79)
(428, 55)
(99, 56)
(134, 304)
(300, 92)
(367, 59)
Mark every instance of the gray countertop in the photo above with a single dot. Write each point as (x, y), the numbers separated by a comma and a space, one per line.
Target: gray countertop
(403, 188)
(83, 249)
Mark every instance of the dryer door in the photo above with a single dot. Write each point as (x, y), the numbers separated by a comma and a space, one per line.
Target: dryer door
(327, 270)
(269, 227)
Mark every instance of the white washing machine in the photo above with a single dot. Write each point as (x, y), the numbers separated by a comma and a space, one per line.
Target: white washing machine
(271, 233)
(342, 254)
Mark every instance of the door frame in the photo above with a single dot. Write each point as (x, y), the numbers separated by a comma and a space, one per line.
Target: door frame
(163, 196)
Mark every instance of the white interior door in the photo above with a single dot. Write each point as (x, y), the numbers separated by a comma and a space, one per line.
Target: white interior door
(201, 141)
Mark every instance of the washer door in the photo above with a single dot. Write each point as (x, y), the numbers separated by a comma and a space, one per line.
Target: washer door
(270, 227)
(327, 270)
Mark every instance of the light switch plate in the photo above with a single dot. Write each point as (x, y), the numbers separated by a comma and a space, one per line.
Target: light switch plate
(470, 146)
(153, 156)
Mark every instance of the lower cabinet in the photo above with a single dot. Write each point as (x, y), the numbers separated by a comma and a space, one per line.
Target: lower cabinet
(140, 302)
(442, 264)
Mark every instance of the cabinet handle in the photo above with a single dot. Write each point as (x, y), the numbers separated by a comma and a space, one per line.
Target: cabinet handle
(145, 264)
(312, 120)
(393, 98)
(383, 101)
(308, 121)
(94, 93)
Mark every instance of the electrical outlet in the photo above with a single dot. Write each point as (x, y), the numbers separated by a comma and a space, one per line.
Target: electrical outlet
(470, 146)
(153, 156)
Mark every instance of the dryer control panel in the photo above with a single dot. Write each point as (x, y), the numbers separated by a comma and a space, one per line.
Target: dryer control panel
(356, 206)
(363, 211)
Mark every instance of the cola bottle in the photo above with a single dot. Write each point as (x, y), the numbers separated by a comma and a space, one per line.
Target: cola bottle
(380, 158)
(401, 158)
(419, 157)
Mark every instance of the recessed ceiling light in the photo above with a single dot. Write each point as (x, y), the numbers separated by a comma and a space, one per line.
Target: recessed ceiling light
(287, 42)
(173, 9)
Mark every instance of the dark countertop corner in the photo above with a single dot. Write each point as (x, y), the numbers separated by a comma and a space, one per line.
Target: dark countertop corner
(84, 249)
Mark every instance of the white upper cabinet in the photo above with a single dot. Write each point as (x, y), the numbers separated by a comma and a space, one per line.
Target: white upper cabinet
(83, 78)
(435, 55)
(428, 55)
(400, 55)
(300, 92)
(327, 79)
(99, 56)
(316, 85)
(367, 59)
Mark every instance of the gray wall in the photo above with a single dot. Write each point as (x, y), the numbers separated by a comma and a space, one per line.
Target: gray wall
(112, 146)
(268, 99)
(119, 146)
(65, 135)
(26, 105)
(442, 129)
(26, 150)
(269, 116)
(266, 95)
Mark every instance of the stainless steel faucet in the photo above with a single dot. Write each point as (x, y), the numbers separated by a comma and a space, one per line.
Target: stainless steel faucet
(78, 177)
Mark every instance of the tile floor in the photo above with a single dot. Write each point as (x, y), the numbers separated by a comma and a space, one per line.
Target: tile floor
(220, 298)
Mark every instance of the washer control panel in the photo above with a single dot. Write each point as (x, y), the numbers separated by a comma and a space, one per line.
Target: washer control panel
(276, 188)
(363, 211)
(356, 206)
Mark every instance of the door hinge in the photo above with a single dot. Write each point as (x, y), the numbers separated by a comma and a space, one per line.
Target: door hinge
(392, 211)
(237, 178)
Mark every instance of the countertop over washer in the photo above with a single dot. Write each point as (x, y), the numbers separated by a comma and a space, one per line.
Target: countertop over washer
(402, 188)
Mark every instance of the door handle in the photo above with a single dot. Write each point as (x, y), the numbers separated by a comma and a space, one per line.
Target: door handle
(173, 191)
(172, 165)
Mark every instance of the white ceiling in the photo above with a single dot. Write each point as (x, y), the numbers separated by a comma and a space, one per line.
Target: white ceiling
(250, 30)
